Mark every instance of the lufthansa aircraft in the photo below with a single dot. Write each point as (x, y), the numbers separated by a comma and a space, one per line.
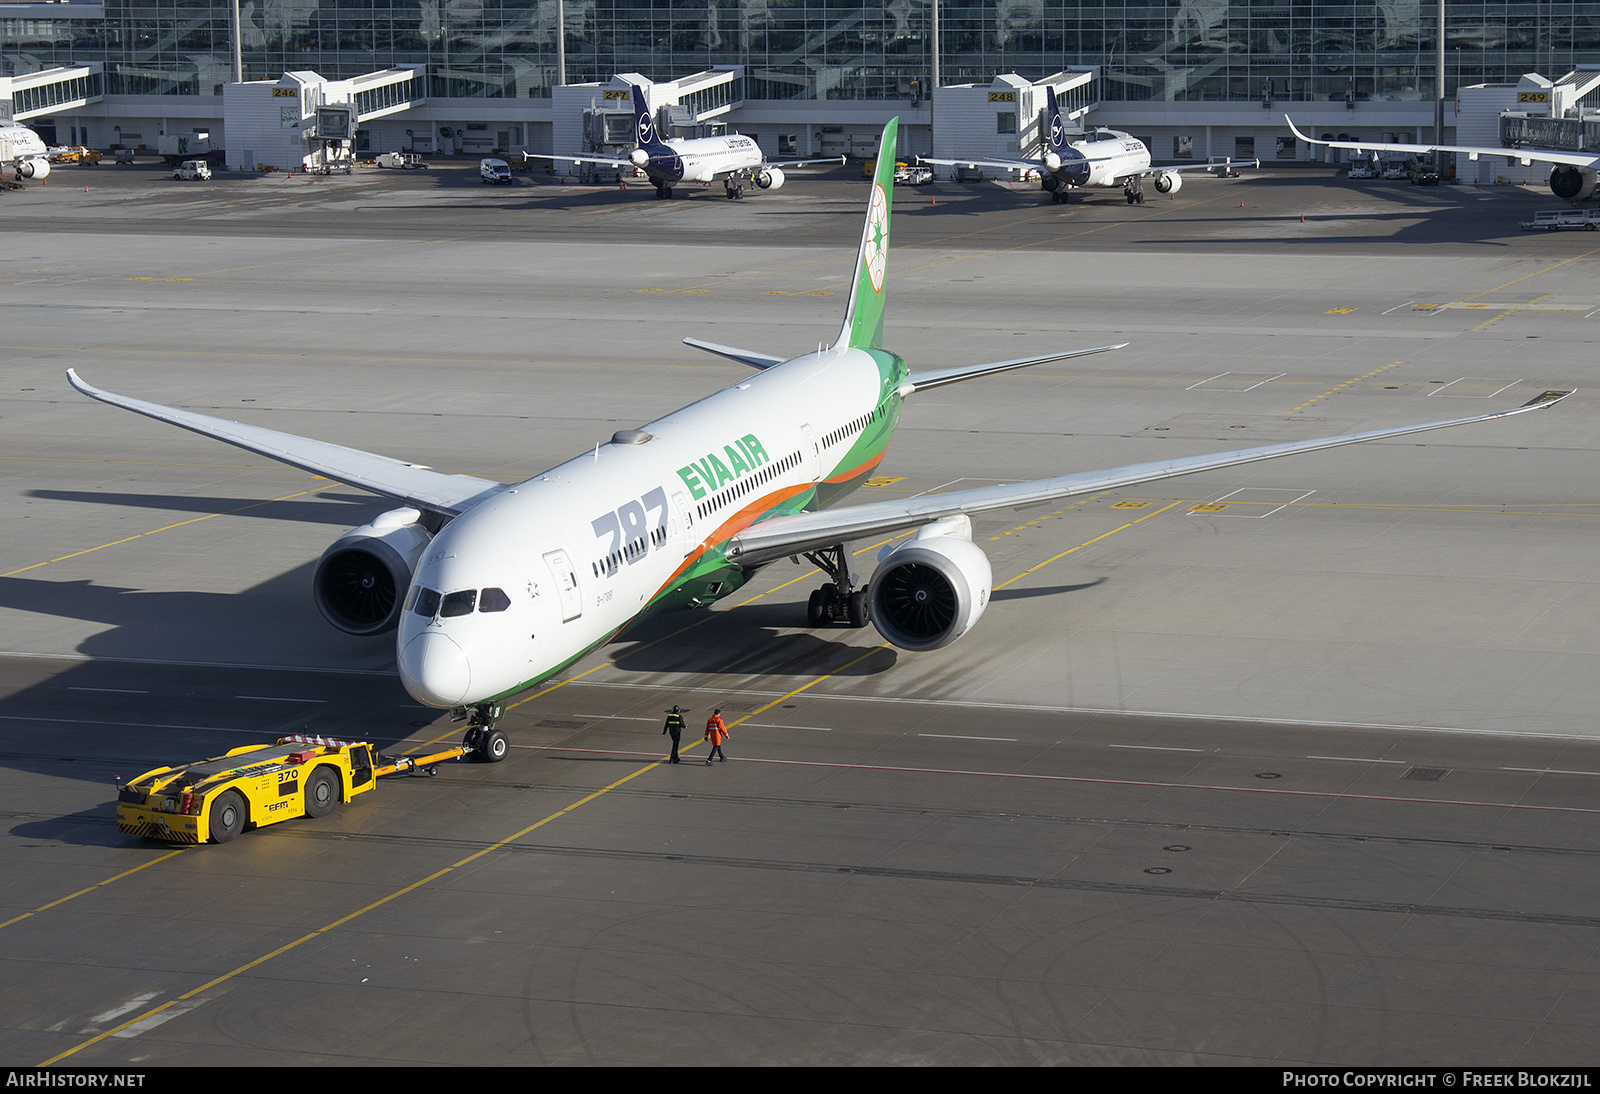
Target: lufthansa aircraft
(1572, 175)
(700, 159)
(495, 587)
(1106, 157)
(23, 151)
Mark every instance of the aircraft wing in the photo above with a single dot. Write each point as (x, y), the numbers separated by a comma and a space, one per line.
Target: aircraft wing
(1003, 165)
(610, 161)
(406, 482)
(1185, 168)
(834, 160)
(779, 536)
(1525, 156)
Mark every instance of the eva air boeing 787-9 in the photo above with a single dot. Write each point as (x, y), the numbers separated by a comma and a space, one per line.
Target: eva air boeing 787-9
(493, 587)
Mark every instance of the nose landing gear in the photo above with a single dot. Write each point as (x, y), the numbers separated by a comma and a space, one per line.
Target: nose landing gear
(483, 741)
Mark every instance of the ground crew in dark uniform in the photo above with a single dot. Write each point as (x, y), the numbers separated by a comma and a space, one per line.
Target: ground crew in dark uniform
(716, 733)
(674, 726)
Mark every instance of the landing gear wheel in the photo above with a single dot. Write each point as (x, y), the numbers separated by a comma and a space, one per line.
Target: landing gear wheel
(492, 746)
(815, 612)
(322, 793)
(668, 192)
(227, 816)
(859, 609)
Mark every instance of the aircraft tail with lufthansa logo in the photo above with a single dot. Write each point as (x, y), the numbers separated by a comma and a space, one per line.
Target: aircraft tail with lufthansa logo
(644, 127)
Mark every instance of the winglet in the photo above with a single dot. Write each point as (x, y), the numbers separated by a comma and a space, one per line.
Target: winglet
(863, 316)
(1548, 398)
(1299, 134)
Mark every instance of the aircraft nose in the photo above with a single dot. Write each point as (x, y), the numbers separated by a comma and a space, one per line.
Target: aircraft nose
(435, 670)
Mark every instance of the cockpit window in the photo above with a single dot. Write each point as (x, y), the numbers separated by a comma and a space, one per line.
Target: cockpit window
(427, 603)
(494, 600)
(458, 603)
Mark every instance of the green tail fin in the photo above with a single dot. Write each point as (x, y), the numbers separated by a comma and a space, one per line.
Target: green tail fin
(863, 318)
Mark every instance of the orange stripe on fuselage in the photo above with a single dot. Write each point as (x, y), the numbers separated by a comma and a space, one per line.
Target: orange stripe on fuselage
(746, 516)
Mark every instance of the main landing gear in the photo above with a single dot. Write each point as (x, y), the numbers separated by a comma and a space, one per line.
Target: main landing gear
(1133, 190)
(663, 191)
(483, 741)
(837, 601)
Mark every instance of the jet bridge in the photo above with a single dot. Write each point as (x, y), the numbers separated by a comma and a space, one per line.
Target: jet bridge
(53, 90)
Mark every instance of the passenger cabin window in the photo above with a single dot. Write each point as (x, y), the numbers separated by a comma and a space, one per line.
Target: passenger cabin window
(494, 600)
(458, 603)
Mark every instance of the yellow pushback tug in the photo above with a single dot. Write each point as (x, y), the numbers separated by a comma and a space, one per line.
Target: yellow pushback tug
(258, 785)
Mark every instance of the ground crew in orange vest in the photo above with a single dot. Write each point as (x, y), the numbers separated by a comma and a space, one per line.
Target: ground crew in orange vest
(716, 733)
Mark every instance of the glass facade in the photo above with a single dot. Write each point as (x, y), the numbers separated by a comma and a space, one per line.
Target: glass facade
(1175, 50)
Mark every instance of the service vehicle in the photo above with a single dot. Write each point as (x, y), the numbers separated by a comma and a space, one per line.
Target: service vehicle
(86, 156)
(1422, 173)
(405, 161)
(190, 170)
(912, 175)
(494, 171)
(256, 785)
(1364, 168)
(1553, 220)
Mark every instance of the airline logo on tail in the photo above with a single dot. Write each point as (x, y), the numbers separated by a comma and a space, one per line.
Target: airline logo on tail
(1058, 132)
(644, 125)
(875, 245)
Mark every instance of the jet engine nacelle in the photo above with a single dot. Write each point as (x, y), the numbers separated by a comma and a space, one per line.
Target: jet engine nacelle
(33, 169)
(1168, 182)
(930, 590)
(1052, 162)
(1572, 183)
(770, 179)
(360, 580)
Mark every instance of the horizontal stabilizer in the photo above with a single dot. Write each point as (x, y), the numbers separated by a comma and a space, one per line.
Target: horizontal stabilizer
(922, 381)
(743, 356)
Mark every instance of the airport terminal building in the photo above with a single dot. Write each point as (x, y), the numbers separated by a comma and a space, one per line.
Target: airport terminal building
(1192, 77)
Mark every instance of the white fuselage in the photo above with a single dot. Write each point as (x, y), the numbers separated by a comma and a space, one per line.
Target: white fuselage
(576, 553)
(705, 159)
(1112, 156)
(18, 142)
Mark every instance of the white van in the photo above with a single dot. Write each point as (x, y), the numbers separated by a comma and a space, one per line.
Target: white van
(494, 171)
(190, 170)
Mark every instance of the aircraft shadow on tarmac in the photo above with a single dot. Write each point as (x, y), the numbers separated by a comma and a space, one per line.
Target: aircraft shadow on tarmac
(1047, 590)
(349, 510)
(748, 641)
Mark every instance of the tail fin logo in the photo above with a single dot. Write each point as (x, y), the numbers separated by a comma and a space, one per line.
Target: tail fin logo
(875, 248)
(647, 130)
